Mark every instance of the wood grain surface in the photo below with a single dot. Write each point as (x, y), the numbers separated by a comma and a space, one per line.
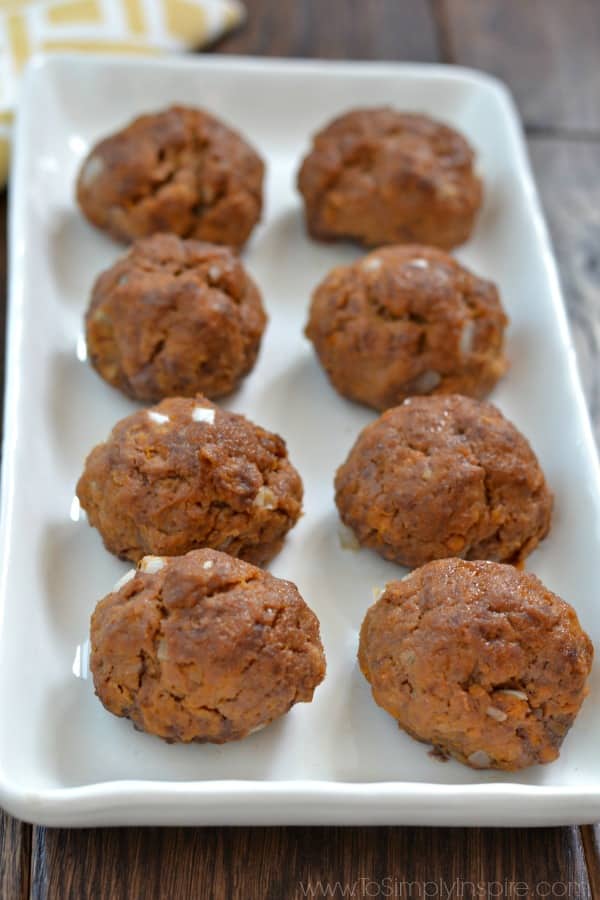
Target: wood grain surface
(15, 858)
(284, 863)
(337, 29)
(548, 52)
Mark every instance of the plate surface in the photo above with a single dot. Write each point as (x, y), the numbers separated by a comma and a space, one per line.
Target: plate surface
(63, 759)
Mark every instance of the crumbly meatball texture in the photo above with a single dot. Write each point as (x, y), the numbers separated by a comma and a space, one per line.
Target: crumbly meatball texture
(380, 176)
(407, 320)
(174, 318)
(180, 170)
(444, 476)
(478, 659)
(204, 647)
(186, 474)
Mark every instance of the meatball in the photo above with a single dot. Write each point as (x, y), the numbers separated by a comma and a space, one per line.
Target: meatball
(480, 660)
(204, 647)
(186, 474)
(407, 320)
(379, 176)
(174, 318)
(179, 170)
(444, 476)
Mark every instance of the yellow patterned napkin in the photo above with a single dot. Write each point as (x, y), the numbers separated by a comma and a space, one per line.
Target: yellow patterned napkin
(99, 26)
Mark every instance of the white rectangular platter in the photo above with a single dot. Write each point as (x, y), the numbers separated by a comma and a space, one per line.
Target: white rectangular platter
(341, 759)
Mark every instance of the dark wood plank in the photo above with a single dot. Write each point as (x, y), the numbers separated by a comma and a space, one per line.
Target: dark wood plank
(591, 844)
(567, 174)
(281, 863)
(546, 50)
(348, 29)
(15, 858)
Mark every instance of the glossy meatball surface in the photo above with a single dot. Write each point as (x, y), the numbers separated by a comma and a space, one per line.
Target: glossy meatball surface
(444, 476)
(204, 647)
(480, 660)
(407, 320)
(174, 318)
(180, 170)
(381, 176)
(187, 474)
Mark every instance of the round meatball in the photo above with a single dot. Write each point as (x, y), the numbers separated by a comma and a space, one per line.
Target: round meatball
(444, 476)
(380, 176)
(174, 318)
(478, 659)
(204, 647)
(407, 320)
(186, 474)
(179, 170)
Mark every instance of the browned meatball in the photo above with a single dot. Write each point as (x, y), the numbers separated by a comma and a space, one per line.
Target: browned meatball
(204, 647)
(444, 476)
(179, 170)
(380, 176)
(186, 474)
(478, 659)
(174, 318)
(407, 320)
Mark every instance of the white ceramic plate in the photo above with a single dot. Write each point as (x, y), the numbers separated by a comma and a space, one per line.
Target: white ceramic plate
(341, 759)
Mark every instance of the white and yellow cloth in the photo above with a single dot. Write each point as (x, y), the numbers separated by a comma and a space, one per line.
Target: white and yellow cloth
(99, 26)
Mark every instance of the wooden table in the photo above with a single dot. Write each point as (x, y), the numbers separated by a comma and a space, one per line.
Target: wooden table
(549, 53)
